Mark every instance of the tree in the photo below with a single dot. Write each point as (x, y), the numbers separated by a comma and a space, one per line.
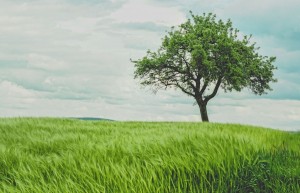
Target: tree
(202, 55)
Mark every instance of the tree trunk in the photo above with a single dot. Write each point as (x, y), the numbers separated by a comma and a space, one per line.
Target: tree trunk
(203, 111)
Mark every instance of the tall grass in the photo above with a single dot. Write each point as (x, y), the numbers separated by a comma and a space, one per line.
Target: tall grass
(61, 155)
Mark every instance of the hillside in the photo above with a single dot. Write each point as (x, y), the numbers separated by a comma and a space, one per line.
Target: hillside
(64, 155)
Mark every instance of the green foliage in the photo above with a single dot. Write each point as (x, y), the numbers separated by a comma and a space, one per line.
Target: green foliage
(60, 155)
(204, 53)
(206, 50)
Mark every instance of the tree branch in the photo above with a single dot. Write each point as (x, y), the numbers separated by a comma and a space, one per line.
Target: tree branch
(186, 77)
(188, 69)
(173, 81)
(203, 88)
(184, 90)
(213, 94)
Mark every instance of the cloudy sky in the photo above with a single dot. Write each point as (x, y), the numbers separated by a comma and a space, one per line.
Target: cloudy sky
(71, 58)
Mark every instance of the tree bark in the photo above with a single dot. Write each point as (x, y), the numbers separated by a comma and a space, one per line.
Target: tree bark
(203, 110)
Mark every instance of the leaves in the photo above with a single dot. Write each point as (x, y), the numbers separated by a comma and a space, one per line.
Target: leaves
(203, 52)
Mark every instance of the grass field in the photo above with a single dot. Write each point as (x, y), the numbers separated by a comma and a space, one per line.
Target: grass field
(63, 155)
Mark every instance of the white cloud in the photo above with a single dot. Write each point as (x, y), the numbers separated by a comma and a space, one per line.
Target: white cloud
(72, 59)
(14, 97)
(279, 114)
(79, 25)
(10, 89)
(45, 62)
(144, 11)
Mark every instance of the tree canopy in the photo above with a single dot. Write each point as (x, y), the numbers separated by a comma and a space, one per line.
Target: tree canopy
(203, 55)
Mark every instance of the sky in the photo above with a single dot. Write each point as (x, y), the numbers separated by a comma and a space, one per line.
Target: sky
(71, 58)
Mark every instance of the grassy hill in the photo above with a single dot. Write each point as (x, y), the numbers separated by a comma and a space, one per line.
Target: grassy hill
(63, 155)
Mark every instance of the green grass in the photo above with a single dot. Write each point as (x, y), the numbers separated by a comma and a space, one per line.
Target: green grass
(61, 155)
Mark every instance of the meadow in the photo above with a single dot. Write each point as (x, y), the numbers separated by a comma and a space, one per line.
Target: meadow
(70, 156)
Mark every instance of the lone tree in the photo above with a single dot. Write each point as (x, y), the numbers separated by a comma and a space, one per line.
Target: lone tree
(202, 55)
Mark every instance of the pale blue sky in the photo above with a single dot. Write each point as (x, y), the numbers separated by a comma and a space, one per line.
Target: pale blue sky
(72, 58)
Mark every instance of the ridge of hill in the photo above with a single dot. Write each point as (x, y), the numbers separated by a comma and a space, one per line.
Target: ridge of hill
(91, 119)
